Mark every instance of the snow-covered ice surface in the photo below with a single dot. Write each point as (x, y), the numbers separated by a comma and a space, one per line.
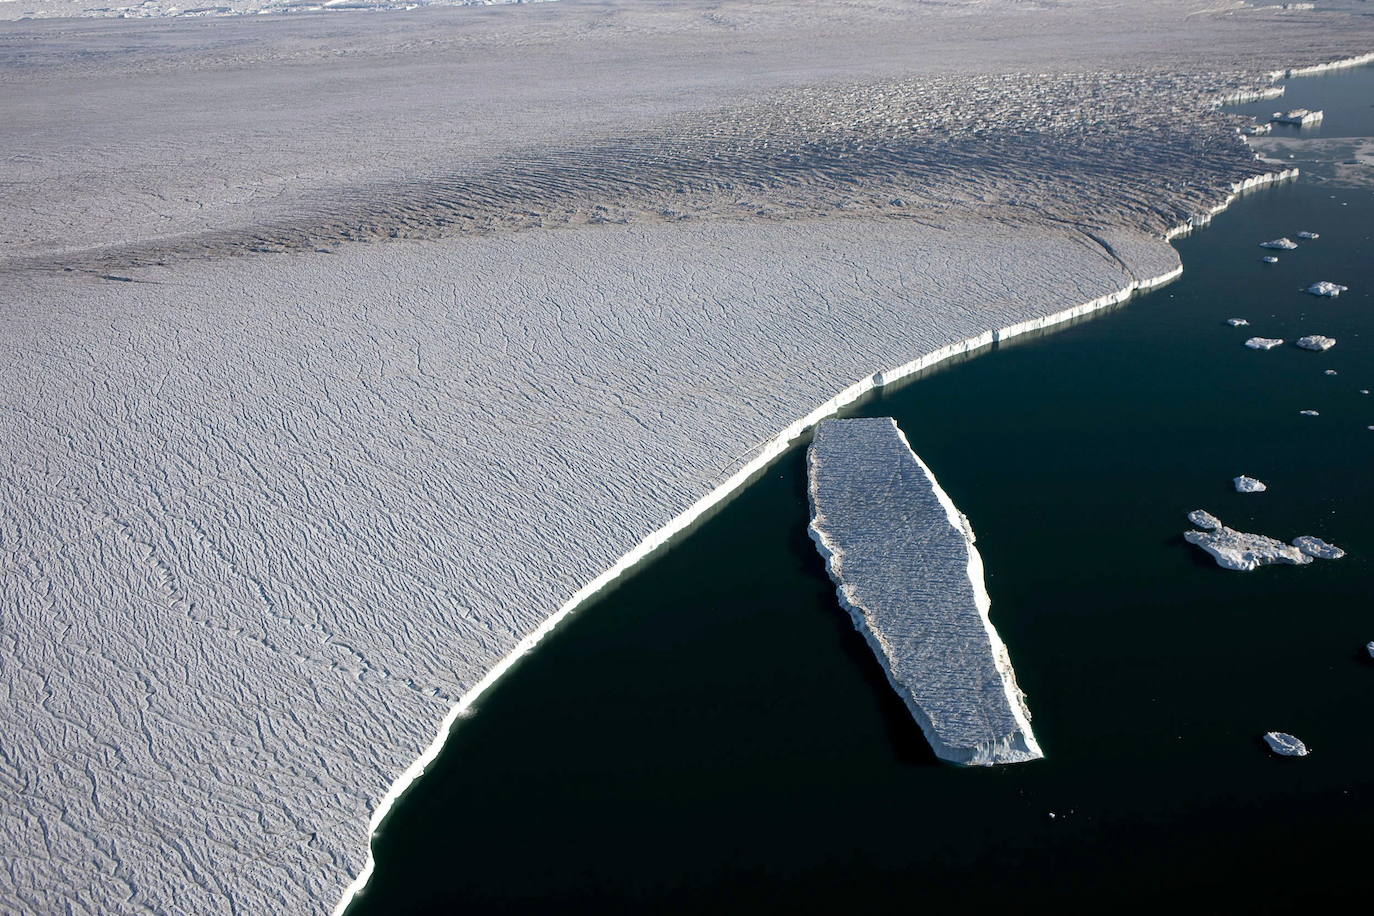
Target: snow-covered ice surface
(202, 9)
(1264, 343)
(1238, 322)
(906, 569)
(1285, 745)
(1317, 342)
(549, 281)
(1248, 485)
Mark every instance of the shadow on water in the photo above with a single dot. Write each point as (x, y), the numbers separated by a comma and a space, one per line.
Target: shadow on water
(713, 736)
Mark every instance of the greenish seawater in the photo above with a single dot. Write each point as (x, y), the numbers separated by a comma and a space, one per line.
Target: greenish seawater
(713, 737)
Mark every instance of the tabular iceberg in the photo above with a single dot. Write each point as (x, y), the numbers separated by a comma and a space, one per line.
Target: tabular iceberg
(904, 565)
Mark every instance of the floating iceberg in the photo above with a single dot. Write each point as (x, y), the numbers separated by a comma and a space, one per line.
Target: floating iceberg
(1238, 322)
(1239, 550)
(1308, 235)
(1269, 259)
(1299, 116)
(1309, 413)
(1326, 288)
(1369, 647)
(1284, 244)
(1264, 343)
(1316, 342)
(905, 568)
(1329, 372)
(1316, 547)
(1285, 745)
(1248, 485)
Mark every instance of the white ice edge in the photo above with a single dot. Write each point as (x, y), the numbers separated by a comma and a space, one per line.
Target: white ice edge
(1016, 747)
(766, 454)
(1358, 60)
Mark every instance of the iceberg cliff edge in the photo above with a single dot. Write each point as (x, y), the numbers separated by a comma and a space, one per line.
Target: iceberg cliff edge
(905, 568)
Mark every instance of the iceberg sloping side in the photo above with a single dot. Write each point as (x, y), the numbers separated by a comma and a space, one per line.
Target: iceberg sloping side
(905, 568)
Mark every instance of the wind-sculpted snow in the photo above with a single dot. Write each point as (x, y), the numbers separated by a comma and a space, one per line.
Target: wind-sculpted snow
(267, 521)
(906, 570)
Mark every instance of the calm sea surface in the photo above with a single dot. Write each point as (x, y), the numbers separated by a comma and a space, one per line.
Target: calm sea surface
(713, 736)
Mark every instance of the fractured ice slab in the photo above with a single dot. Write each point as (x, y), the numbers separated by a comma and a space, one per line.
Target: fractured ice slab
(1264, 343)
(1285, 745)
(906, 570)
(1240, 550)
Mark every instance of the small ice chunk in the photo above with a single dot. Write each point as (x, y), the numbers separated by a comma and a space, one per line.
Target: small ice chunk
(1238, 322)
(1248, 485)
(1309, 413)
(1285, 745)
(1263, 343)
(1316, 342)
(1329, 372)
(1242, 551)
(1204, 520)
(1316, 547)
(1280, 244)
(1308, 235)
(1269, 259)
(1369, 647)
(1326, 288)
(1364, 391)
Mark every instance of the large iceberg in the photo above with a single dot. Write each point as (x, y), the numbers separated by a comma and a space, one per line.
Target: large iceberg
(1240, 550)
(906, 570)
(1285, 745)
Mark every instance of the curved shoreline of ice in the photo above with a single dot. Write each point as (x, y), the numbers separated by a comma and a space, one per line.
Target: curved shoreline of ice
(771, 450)
(1014, 745)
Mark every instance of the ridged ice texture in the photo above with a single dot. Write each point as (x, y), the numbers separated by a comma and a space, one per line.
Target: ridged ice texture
(269, 523)
(905, 567)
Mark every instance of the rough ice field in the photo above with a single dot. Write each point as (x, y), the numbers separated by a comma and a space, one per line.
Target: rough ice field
(207, 9)
(545, 278)
(906, 569)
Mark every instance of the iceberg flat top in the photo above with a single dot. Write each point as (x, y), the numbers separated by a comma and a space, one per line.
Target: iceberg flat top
(905, 568)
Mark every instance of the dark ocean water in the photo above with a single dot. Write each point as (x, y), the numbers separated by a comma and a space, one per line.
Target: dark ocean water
(712, 736)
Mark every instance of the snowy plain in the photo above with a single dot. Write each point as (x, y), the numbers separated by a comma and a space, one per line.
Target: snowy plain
(341, 352)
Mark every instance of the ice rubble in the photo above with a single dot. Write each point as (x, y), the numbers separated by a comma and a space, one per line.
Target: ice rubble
(905, 568)
(1285, 745)
(1248, 485)
(1316, 342)
(1326, 288)
(1264, 343)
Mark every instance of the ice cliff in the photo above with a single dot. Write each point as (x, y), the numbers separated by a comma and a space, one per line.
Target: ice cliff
(907, 571)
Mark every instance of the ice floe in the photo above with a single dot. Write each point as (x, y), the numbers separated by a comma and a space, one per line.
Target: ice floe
(1249, 485)
(905, 568)
(1269, 259)
(1310, 413)
(1285, 745)
(1326, 288)
(1308, 235)
(1284, 244)
(1264, 343)
(1299, 116)
(1238, 322)
(1204, 520)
